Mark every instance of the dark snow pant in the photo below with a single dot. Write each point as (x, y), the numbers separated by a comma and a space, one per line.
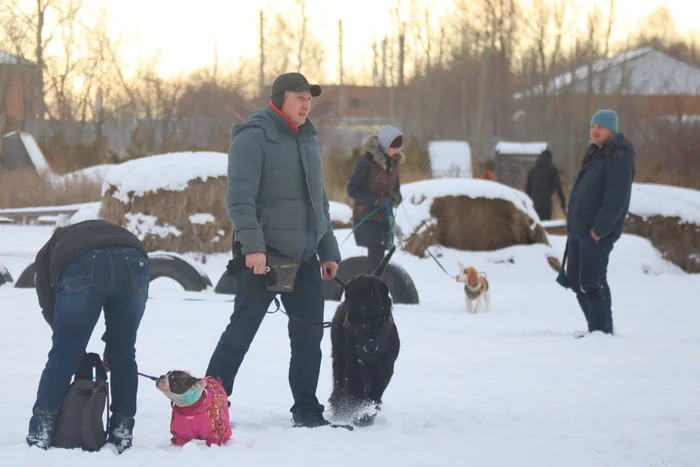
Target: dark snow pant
(117, 279)
(251, 302)
(544, 210)
(586, 271)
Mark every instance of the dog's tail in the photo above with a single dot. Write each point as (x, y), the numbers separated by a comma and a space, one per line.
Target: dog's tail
(385, 261)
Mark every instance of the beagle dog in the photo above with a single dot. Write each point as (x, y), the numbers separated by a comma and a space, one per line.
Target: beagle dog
(476, 288)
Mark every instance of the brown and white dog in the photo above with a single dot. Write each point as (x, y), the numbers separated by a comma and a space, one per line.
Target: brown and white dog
(476, 288)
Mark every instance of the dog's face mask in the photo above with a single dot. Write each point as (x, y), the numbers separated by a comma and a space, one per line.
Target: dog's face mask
(181, 387)
(368, 302)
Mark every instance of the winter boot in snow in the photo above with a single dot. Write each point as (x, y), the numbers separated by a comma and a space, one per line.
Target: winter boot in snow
(309, 419)
(41, 428)
(121, 432)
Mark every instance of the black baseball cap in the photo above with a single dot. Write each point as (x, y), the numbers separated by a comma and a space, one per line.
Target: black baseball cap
(295, 82)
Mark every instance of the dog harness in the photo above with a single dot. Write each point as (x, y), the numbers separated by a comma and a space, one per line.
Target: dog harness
(370, 344)
(472, 293)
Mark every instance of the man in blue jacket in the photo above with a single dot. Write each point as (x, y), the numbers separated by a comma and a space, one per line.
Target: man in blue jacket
(278, 205)
(598, 205)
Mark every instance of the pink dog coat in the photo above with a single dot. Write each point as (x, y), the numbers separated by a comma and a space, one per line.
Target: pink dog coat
(207, 419)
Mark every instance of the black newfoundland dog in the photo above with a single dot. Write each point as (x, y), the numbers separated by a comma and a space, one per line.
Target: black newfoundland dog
(365, 346)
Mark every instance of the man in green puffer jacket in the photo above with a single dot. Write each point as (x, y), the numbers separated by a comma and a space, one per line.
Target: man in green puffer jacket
(277, 202)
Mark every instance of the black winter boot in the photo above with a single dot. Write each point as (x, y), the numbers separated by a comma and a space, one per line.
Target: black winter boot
(309, 419)
(121, 432)
(41, 428)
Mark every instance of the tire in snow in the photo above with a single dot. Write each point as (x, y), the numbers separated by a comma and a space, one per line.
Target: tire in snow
(160, 264)
(5, 276)
(226, 285)
(174, 266)
(401, 286)
(26, 279)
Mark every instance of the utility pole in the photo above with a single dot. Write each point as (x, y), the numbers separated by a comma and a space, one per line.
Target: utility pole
(384, 61)
(261, 86)
(341, 99)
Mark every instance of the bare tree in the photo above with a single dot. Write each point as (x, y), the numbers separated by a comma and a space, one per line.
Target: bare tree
(41, 20)
(291, 45)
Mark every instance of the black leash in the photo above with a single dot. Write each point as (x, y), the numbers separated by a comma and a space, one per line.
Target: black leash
(152, 378)
(323, 324)
(425, 245)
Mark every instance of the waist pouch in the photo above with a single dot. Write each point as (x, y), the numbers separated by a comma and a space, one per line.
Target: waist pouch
(280, 270)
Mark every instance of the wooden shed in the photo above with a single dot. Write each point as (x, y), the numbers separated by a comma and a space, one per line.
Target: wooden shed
(513, 161)
(20, 151)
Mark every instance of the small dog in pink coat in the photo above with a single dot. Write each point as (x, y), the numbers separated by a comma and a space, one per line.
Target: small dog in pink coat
(200, 408)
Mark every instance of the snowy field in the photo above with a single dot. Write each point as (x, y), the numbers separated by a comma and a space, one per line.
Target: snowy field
(506, 388)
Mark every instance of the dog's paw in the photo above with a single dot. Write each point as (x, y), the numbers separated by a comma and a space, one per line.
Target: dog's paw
(364, 420)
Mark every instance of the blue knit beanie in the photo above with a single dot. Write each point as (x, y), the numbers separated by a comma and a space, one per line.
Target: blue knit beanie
(606, 119)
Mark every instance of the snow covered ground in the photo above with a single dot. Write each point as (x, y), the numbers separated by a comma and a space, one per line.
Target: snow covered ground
(506, 388)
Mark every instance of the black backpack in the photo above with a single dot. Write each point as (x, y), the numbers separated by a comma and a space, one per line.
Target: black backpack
(79, 423)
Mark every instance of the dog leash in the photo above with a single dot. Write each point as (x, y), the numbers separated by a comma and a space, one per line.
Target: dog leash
(425, 245)
(362, 221)
(323, 324)
(152, 378)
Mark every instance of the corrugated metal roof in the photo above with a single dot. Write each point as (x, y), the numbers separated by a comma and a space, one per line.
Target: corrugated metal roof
(644, 71)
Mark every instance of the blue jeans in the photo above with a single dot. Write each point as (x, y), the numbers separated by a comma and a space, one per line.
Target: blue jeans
(250, 304)
(117, 279)
(587, 270)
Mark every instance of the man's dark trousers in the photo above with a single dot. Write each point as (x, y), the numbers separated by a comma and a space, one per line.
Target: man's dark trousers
(251, 302)
(586, 271)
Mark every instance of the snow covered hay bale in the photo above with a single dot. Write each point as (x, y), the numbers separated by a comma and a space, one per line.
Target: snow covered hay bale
(473, 215)
(173, 202)
(669, 217)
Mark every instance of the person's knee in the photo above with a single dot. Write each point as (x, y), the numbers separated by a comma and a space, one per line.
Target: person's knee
(594, 291)
(305, 335)
(121, 351)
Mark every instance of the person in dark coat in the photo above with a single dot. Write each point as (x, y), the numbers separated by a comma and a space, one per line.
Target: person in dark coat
(375, 189)
(542, 181)
(598, 205)
(82, 269)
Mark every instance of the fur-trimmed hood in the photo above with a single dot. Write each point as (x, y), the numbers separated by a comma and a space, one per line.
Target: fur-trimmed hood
(371, 146)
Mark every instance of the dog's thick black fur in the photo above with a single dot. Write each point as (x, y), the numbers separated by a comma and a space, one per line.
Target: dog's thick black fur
(365, 346)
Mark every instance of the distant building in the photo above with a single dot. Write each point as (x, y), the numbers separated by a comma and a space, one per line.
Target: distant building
(644, 81)
(18, 96)
(646, 87)
(20, 151)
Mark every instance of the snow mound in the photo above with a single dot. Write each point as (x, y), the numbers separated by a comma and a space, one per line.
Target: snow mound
(419, 196)
(96, 174)
(171, 172)
(87, 212)
(340, 212)
(650, 199)
(450, 159)
(141, 225)
(513, 147)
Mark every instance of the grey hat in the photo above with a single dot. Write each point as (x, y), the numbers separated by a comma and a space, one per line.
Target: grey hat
(388, 136)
